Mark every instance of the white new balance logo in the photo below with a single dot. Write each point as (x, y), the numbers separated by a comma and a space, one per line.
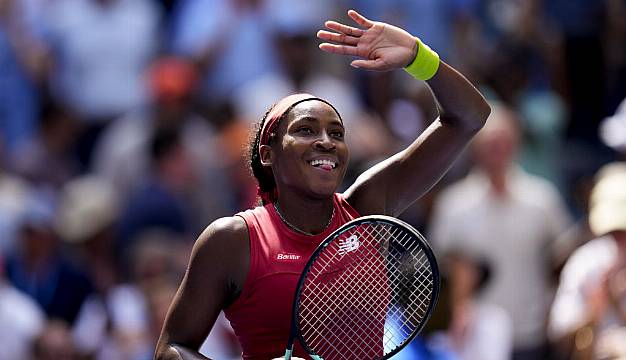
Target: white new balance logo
(350, 244)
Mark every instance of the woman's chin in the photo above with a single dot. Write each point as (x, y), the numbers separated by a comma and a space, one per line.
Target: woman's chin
(323, 192)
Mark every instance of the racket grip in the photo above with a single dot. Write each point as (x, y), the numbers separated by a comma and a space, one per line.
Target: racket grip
(288, 353)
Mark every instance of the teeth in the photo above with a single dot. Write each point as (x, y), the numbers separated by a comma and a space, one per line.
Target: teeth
(324, 162)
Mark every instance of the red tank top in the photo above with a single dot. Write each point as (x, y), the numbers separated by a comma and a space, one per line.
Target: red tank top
(261, 315)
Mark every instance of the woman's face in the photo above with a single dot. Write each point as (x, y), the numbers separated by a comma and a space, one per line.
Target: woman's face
(310, 153)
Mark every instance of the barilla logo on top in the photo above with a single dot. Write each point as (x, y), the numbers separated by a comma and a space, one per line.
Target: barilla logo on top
(349, 244)
(287, 257)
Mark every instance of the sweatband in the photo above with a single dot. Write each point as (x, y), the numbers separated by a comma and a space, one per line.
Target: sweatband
(425, 64)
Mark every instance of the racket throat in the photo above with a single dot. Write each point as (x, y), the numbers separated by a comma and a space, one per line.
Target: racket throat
(289, 353)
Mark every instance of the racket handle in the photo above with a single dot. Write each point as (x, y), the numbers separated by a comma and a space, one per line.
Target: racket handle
(288, 353)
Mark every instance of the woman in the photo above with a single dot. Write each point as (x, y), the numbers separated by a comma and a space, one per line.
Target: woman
(248, 265)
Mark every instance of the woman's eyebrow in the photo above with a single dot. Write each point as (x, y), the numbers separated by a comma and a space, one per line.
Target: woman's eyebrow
(337, 123)
(306, 118)
(310, 118)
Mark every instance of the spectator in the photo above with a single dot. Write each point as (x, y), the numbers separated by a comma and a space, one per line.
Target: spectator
(510, 218)
(469, 329)
(596, 84)
(91, 226)
(21, 320)
(478, 330)
(55, 343)
(42, 270)
(122, 155)
(160, 201)
(14, 193)
(116, 322)
(588, 317)
(220, 35)
(22, 70)
(100, 49)
(47, 160)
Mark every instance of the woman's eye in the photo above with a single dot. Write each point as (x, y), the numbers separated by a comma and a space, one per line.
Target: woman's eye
(305, 130)
(337, 134)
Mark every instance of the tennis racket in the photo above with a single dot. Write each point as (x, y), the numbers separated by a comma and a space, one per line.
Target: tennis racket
(365, 293)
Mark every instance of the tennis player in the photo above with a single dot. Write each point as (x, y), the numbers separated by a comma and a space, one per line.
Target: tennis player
(248, 264)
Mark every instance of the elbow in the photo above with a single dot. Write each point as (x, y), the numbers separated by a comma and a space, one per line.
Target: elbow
(476, 120)
(485, 111)
(469, 122)
(482, 115)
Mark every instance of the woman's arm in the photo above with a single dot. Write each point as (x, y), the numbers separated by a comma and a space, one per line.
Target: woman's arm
(216, 273)
(394, 184)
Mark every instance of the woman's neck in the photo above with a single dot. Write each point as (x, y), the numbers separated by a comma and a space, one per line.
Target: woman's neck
(304, 214)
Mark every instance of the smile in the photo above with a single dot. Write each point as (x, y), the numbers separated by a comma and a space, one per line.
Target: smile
(324, 164)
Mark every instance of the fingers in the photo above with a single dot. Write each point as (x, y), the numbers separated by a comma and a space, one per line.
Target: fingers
(347, 38)
(376, 64)
(360, 19)
(339, 49)
(338, 38)
(344, 29)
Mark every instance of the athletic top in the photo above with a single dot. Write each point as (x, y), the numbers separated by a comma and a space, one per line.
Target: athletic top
(261, 315)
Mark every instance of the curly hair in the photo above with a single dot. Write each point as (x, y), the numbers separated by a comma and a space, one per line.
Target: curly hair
(263, 176)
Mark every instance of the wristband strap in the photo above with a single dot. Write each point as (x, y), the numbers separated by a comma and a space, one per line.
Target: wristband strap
(425, 64)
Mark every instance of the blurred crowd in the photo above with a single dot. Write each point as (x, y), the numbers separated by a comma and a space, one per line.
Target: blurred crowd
(123, 128)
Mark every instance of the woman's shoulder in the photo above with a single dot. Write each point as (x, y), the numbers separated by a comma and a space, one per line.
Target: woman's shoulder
(225, 233)
(222, 249)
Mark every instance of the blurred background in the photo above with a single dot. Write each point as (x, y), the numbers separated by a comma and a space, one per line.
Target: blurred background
(123, 125)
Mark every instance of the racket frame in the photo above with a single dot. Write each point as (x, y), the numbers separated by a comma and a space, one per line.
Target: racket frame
(432, 261)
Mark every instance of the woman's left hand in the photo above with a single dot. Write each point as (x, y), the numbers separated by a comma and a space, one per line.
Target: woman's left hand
(381, 46)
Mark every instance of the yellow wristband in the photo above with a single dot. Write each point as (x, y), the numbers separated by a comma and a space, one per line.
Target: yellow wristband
(425, 64)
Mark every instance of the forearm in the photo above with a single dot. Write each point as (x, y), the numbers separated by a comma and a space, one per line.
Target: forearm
(459, 102)
(383, 47)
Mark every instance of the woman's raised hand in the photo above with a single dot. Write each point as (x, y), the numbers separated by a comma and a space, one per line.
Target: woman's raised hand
(379, 45)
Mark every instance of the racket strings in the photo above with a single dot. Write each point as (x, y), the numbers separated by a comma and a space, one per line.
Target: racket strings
(349, 322)
(368, 296)
(409, 316)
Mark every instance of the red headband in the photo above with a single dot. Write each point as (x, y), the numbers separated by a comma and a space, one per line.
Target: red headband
(280, 109)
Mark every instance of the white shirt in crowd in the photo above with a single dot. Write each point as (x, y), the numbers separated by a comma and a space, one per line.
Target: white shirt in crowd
(488, 336)
(101, 53)
(584, 270)
(513, 234)
(21, 321)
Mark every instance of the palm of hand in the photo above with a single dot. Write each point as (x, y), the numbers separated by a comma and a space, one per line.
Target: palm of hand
(381, 43)
(382, 46)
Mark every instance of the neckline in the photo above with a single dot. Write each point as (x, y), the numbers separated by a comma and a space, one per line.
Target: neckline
(297, 235)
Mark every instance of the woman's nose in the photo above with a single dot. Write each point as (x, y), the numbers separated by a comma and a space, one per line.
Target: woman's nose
(324, 141)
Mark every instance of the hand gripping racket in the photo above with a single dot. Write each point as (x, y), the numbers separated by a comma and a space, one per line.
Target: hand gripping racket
(366, 292)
